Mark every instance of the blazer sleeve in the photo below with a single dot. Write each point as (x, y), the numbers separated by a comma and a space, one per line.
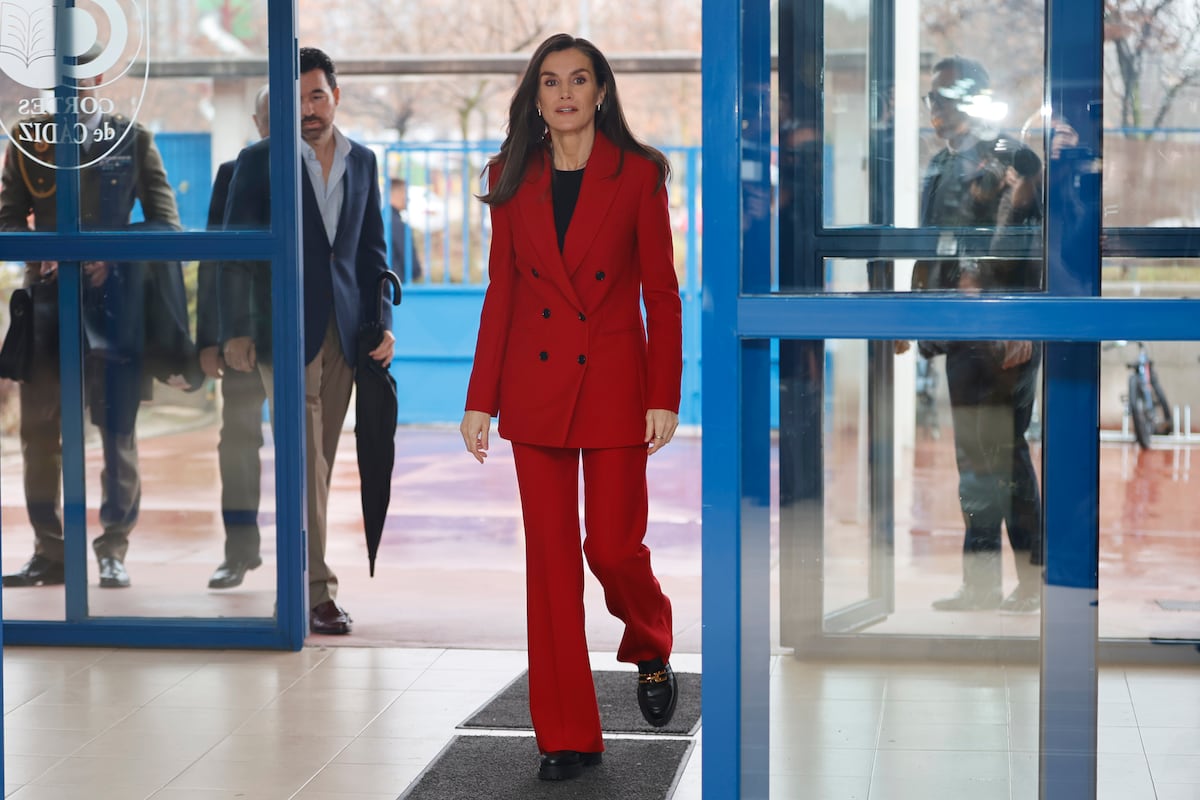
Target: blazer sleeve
(371, 260)
(208, 325)
(16, 202)
(660, 295)
(154, 190)
(483, 392)
(247, 208)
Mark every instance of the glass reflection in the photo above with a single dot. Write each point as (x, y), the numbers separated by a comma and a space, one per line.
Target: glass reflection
(899, 490)
(1150, 116)
(1148, 551)
(242, 397)
(915, 505)
(135, 320)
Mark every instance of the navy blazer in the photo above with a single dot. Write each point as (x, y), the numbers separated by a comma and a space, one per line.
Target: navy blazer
(208, 325)
(340, 277)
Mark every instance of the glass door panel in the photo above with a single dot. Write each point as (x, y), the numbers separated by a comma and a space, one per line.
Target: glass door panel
(121, 434)
(1149, 553)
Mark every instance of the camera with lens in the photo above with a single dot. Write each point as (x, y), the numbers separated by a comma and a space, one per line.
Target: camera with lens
(995, 159)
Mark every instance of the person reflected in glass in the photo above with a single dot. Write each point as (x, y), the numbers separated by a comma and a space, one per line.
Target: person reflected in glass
(982, 179)
(404, 243)
(581, 239)
(242, 398)
(344, 254)
(116, 298)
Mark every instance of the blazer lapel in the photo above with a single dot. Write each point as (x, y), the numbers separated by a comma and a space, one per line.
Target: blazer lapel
(349, 186)
(309, 207)
(536, 207)
(596, 195)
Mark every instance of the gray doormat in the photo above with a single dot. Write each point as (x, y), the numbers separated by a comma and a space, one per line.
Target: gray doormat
(616, 694)
(505, 768)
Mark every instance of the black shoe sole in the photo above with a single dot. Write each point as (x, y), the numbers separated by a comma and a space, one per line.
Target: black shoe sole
(20, 581)
(113, 583)
(566, 772)
(561, 772)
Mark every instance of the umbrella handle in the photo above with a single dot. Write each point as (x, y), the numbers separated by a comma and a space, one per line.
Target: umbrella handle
(390, 277)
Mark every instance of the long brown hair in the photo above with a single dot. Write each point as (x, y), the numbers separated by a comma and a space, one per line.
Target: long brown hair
(527, 132)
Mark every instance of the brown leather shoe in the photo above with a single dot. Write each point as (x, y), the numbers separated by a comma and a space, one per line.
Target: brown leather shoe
(329, 618)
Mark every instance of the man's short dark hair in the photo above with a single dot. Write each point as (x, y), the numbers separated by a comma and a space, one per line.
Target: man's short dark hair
(311, 58)
(966, 70)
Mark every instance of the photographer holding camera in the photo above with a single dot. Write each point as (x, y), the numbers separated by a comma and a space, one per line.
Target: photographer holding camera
(984, 180)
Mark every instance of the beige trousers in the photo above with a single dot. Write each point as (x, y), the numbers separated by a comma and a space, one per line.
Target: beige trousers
(328, 382)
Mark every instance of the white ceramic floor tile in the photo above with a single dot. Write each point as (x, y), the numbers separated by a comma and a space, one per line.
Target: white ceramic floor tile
(1171, 741)
(266, 781)
(1166, 714)
(899, 766)
(912, 735)
(179, 745)
(278, 747)
(926, 786)
(381, 658)
(1119, 740)
(363, 678)
(454, 680)
(165, 720)
(320, 794)
(26, 769)
(819, 787)
(1176, 768)
(1123, 777)
(1177, 791)
(175, 793)
(34, 791)
(834, 762)
(346, 723)
(135, 775)
(946, 712)
(365, 778)
(304, 720)
(79, 717)
(369, 750)
(44, 742)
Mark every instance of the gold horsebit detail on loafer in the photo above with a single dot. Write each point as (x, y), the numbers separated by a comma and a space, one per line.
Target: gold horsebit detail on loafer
(659, 676)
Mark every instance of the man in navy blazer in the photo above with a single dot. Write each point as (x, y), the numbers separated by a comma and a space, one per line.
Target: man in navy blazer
(344, 254)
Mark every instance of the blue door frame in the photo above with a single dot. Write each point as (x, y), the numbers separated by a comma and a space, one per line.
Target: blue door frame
(280, 246)
(740, 319)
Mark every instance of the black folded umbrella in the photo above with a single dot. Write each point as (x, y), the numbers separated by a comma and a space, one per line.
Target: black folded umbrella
(375, 424)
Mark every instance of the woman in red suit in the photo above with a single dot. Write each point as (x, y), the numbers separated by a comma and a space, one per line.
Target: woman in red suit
(581, 239)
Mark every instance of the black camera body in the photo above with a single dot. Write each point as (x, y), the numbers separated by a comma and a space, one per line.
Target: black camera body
(996, 156)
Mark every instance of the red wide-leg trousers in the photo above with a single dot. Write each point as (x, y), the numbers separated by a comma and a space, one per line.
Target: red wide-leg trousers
(562, 696)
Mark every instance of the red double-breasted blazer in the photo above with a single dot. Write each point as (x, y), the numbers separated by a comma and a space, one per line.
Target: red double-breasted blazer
(563, 355)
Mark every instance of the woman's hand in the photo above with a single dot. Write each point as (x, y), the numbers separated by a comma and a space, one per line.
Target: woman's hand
(660, 428)
(474, 429)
